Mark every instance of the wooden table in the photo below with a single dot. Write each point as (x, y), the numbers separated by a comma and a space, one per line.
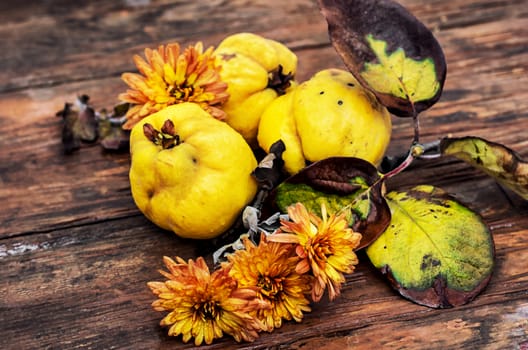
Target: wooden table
(76, 253)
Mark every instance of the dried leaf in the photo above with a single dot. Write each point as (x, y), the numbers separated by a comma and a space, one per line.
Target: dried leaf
(389, 51)
(436, 252)
(86, 128)
(112, 135)
(342, 183)
(495, 159)
(270, 169)
(79, 124)
(70, 141)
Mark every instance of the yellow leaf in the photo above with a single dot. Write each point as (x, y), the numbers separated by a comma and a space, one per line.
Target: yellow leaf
(435, 251)
(496, 160)
(400, 76)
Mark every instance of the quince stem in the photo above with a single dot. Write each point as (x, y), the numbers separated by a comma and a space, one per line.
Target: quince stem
(166, 138)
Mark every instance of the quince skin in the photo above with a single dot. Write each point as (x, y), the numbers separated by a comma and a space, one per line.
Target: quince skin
(190, 173)
(256, 70)
(329, 115)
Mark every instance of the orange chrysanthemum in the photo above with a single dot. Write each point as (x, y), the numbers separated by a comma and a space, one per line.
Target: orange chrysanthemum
(204, 306)
(169, 77)
(325, 246)
(271, 267)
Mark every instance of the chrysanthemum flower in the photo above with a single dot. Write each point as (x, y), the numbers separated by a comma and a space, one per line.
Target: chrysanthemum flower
(325, 246)
(169, 77)
(271, 266)
(204, 306)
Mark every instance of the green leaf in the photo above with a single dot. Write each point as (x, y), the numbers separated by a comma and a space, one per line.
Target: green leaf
(342, 183)
(389, 51)
(435, 252)
(496, 160)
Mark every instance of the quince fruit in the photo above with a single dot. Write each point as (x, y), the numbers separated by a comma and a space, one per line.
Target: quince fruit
(190, 173)
(256, 70)
(329, 115)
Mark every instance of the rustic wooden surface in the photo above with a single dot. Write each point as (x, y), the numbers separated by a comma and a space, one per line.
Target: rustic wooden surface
(76, 253)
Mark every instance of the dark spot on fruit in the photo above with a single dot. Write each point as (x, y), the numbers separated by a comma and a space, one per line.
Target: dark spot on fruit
(351, 84)
(227, 57)
(340, 102)
(384, 247)
(195, 161)
(321, 93)
(150, 193)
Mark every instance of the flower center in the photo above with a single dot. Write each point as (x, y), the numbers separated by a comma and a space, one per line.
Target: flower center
(322, 249)
(182, 92)
(270, 287)
(208, 310)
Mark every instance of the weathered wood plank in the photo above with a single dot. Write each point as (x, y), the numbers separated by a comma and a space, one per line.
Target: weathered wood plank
(87, 41)
(92, 40)
(479, 328)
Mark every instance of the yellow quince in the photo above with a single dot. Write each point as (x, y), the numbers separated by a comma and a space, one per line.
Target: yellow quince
(331, 114)
(256, 70)
(190, 173)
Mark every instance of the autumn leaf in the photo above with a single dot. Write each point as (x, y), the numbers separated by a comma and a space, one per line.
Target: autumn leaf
(389, 51)
(79, 124)
(496, 160)
(268, 173)
(435, 252)
(112, 135)
(342, 183)
(400, 76)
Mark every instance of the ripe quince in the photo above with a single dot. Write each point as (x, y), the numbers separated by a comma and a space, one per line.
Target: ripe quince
(256, 70)
(330, 114)
(190, 173)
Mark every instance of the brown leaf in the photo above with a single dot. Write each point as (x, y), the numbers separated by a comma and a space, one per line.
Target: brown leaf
(79, 124)
(112, 135)
(389, 51)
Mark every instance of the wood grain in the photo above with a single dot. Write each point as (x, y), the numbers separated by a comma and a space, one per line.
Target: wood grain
(76, 253)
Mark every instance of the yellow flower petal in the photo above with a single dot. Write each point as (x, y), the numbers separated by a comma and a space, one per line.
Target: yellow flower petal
(143, 67)
(204, 305)
(270, 267)
(326, 246)
(302, 267)
(168, 76)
